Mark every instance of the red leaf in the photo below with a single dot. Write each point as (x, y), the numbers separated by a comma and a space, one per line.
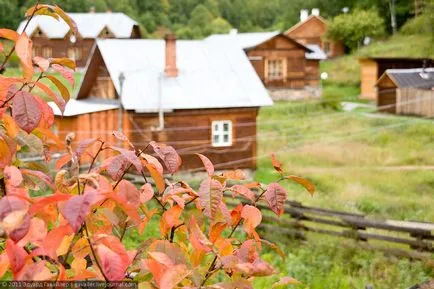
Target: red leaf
(77, 208)
(47, 114)
(131, 157)
(243, 191)
(120, 136)
(13, 176)
(115, 166)
(4, 264)
(26, 111)
(168, 154)
(209, 167)
(67, 74)
(53, 96)
(172, 277)
(40, 175)
(42, 63)
(236, 214)
(112, 264)
(210, 197)
(62, 88)
(23, 48)
(146, 193)
(128, 209)
(83, 145)
(9, 34)
(275, 196)
(54, 239)
(17, 256)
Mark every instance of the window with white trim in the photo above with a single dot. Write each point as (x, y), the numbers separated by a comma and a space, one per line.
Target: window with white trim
(221, 133)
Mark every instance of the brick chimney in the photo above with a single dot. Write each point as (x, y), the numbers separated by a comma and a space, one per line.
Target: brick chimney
(170, 69)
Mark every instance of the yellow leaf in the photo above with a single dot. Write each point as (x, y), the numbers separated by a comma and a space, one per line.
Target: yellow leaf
(304, 182)
(64, 245)
(10, 125)
(78, 265)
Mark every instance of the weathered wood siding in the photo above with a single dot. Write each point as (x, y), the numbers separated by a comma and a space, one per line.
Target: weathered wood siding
(298, 72)
(413, 101)
(386, 101)
(189, 131)
(312, 31)
(369, 75)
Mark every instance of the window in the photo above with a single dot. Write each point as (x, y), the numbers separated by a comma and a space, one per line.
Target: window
(221, 133)
(275, 69)
(46, 52)
(74, 53)
(36, 50)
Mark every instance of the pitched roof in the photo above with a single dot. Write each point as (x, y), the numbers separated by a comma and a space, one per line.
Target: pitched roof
(77, 107)
(416, 77)
(89, 25)
(301, 23)
(209, 76)
(253, 39)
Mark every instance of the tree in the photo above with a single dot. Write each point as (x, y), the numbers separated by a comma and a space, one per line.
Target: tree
(352, 28)
(75, 230)
(220, 26)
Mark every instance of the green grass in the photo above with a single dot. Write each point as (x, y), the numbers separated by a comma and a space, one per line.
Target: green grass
(347, 155)
(345, 71)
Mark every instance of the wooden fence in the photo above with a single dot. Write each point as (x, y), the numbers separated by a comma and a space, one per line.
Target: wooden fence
(413, 101)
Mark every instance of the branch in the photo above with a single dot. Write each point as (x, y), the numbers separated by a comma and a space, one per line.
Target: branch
(93, 252)
(25, 27)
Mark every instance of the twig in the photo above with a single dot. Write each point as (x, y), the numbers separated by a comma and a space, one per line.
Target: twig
(25, 27)
(124, 231)
(93, 252)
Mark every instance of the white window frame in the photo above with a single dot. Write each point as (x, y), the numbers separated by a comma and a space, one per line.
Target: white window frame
(217, 129)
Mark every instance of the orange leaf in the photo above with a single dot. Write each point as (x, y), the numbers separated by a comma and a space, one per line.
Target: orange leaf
(216, 230)
(128, 209)
(286, 281)
(170, 219)
(63, 160)
(168, 154)
(9, 34)
(10, 125)
(197, 238)
(276, 164)
(146, 193)
(53, 96)
(252, 218)
(4, 264)
(234, 175)
(158, 178)
(172, 277)
(236, 214)
(41, 202)
(23, 48)
(209, 167)
(17, 256)
(64, 62)
(276, 195)
(243, 191)
(62, 88)
(305, 183)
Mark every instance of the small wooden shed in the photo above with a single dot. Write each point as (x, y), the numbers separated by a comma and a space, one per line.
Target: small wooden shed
(407, 92)
(374, 67)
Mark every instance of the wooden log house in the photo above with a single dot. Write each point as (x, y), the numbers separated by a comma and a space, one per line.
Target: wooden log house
(52, 38)
(407, 92)
(311, 30)
(193, 95)
(372, 68)
(280, 61)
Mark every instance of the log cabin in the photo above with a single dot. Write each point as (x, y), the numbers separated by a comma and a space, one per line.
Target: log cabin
(52, 38)
(284, 65)
(190, 94)
(373, 68)
(407, 91)
(311, 30)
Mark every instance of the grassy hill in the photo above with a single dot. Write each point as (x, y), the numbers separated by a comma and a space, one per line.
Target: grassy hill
(345, 71)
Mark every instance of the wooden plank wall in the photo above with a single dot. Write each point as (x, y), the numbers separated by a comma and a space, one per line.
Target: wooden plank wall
(413, 101)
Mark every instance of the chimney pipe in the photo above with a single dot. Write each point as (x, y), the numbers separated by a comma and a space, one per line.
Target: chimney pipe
(304, 13)
(92, 9)
(315, 11)
(170, 69)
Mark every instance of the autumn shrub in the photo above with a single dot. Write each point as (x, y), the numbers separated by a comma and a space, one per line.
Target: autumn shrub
(75, 230)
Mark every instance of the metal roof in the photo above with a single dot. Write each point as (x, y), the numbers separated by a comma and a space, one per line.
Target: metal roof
(210, 76)
(77, 107)
(250, 40)
(316, 54)
(417, 77)
(89, 25)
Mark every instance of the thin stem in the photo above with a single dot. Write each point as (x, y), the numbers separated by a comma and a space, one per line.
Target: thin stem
(93, 252)
(123, 231)
(191, 201)
(13, 95)
(25, 27)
